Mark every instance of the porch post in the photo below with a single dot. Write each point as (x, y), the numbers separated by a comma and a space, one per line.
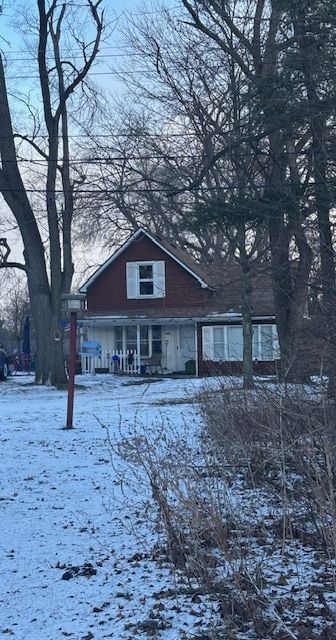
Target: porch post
(138, 347)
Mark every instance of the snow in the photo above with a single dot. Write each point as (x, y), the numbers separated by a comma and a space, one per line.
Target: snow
(81, 543)
(62, 508)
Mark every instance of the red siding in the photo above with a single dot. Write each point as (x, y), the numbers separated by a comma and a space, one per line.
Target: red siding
(108, 292)
(262, 367)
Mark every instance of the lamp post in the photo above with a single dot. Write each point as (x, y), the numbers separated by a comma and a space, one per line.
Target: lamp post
(72, 303)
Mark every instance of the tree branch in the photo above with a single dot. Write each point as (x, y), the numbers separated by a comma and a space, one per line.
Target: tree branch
(98, 20)
(200, 26)
(4, 263)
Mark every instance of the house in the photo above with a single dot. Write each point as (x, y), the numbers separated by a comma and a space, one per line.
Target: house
(150, 305)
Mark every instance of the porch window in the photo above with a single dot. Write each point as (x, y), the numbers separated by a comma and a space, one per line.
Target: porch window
(226, 342)
(145, 279)
(144, 343)
(187, 341)
(219, 343)
(126, 339)
(118, 339)
(156, 339)
(131, 338)
(265, 342)
(234, 343)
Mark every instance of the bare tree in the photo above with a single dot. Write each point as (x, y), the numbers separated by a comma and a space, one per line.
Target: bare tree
(15, 309)
(317, 57)
(217, 104)
(48, 255)
(217, 60)
(261, 34)
(287, 53)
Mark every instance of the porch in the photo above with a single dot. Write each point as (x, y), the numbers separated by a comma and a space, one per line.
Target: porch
(130, 345)
(139, 347)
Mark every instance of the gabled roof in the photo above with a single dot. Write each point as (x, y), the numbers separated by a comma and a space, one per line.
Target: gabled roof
(180, 256)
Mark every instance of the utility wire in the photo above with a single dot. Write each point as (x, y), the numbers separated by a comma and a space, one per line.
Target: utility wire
(128, 190)
(164, 156)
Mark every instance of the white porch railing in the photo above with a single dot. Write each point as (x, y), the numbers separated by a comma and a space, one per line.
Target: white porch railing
(112, 362)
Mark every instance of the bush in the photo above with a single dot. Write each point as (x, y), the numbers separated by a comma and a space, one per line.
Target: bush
(284, 442)
(248, 508)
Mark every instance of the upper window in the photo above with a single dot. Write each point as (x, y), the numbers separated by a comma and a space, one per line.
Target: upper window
(145, 279)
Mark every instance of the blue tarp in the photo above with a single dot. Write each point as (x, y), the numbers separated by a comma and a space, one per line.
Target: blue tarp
(90, 348)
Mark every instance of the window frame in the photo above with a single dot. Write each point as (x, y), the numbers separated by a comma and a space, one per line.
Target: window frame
(147, 340)
(209, 349)
(133, 279)
(141, 280)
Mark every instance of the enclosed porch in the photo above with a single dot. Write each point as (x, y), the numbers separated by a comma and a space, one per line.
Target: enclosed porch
(140, 347)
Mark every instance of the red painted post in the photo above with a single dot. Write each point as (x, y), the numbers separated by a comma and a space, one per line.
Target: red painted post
(71, 369)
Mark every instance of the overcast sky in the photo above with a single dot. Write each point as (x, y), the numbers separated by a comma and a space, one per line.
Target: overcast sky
(11, 44)
(21, 77)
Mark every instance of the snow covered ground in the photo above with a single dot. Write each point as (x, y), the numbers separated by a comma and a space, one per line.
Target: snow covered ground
(78, 555)
(82, 549)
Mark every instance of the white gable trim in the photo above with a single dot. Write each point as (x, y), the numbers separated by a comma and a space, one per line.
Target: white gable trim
(118, 252)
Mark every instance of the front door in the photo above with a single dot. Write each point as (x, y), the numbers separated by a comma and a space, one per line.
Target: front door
(169, 348)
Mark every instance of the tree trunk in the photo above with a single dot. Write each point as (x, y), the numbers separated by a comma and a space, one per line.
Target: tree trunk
(48, 281)
(246, 308)
(323, 199)
(258, 59)
(290, 288)
(50, 366)
(39, 290)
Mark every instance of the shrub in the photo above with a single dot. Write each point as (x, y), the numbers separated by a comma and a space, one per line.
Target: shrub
(247, 505)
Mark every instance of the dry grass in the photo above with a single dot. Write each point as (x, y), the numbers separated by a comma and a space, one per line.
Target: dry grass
(248, 508)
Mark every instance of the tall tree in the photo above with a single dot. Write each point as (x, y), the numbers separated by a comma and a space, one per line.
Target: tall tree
(314, 29)
(263, 36)
(195, 88)
(49, 268)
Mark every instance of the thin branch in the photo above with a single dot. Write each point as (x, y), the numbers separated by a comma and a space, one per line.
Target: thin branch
(200, 26)
(4, 263)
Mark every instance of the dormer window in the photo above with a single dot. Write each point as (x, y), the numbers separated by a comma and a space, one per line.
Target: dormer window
(145, 279)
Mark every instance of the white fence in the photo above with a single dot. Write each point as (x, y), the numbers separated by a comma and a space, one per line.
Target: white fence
(112, 362)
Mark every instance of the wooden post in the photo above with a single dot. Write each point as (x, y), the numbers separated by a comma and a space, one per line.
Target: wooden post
(71, 369)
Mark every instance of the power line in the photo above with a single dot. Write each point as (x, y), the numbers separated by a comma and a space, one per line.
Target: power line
(149, 72)
(74, 48)
(112, 135)
(169, 192)
(75, 57)
(104, 47)
(158, 156)
(131, 52)
(133, 136)
(92, 73)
